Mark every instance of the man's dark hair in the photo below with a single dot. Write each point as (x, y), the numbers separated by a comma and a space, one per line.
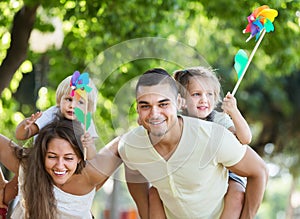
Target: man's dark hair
(157, 76)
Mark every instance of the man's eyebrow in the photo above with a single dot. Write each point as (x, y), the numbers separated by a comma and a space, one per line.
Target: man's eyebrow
(160, 101)
(142, 102)
(164, 100)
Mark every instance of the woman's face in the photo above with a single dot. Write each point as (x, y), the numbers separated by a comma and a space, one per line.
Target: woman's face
(60, 161)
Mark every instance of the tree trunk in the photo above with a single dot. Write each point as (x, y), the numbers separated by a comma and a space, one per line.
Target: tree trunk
(17, 52)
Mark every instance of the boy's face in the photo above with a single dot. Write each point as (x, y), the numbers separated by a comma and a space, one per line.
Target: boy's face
(68, 104)
(200, 100)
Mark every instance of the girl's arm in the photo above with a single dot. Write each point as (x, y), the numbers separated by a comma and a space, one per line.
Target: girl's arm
(241, 128)
(27, 128)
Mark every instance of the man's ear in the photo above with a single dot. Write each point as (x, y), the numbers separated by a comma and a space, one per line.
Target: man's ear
(181, 103)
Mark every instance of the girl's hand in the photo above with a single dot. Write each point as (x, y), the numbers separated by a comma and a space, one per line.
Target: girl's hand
(229, 104)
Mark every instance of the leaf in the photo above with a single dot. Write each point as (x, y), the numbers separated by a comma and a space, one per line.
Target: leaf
(240, 59)
(88, 120)
(79, 115)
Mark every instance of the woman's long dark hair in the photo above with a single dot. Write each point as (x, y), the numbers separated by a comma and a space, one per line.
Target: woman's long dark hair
(38, 185)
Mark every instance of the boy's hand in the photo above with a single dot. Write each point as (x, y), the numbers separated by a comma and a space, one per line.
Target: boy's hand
(87, 140)
(88, 146)
(229, 104)
(31, 120)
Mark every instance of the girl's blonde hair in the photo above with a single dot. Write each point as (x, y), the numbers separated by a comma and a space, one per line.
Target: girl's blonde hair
(64, 88)
(184, 76)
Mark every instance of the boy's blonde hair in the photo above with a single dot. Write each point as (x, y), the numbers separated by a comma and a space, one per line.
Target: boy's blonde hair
(64, 88)
(184, 76)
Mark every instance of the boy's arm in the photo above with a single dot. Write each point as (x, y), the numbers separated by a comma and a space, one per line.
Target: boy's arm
(27, 128)
(255, 169)
(241, 128)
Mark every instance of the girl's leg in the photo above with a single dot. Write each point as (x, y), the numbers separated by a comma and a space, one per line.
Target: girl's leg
(156, 208)
(233, 201)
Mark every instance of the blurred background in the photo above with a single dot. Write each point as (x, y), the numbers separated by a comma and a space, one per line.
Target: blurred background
(42, 42)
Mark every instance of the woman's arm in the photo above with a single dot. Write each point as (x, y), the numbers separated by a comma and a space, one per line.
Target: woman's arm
(104, 164)
(8, 155)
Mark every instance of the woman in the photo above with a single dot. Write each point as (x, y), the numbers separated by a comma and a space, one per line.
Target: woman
(54, 179)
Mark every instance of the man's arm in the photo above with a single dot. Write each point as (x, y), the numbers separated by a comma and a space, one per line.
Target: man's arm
(138, 188)
(255, 169)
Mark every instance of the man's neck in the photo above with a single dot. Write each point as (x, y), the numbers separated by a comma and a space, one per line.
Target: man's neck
(167, 144)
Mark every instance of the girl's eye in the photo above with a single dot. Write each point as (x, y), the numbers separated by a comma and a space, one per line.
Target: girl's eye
(195, 94)
(51, 157)
(81, 102)
(69, 99)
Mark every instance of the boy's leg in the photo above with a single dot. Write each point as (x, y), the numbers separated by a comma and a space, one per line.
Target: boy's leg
(156, 208)
(3, 206)
(234, 199)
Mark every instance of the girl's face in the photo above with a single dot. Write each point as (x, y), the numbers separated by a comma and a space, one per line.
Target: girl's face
(68, 104)
(200, 100)
(60, 161)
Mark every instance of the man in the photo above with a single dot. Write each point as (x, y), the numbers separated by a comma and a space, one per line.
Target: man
(186, 159)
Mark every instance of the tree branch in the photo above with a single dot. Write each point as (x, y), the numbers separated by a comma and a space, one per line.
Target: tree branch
(17, 52)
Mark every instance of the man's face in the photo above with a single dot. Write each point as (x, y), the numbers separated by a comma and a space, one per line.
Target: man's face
(157, 109)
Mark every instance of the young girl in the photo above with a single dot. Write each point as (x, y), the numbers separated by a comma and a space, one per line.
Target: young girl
(200, 88)
(54, 179)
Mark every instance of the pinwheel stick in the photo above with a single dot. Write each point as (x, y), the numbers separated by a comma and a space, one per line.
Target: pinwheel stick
(86, 111)
(249, 61)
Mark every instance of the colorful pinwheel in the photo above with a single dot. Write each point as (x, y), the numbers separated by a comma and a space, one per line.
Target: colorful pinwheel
(261, 18)
(79, 84)
(260, 22)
